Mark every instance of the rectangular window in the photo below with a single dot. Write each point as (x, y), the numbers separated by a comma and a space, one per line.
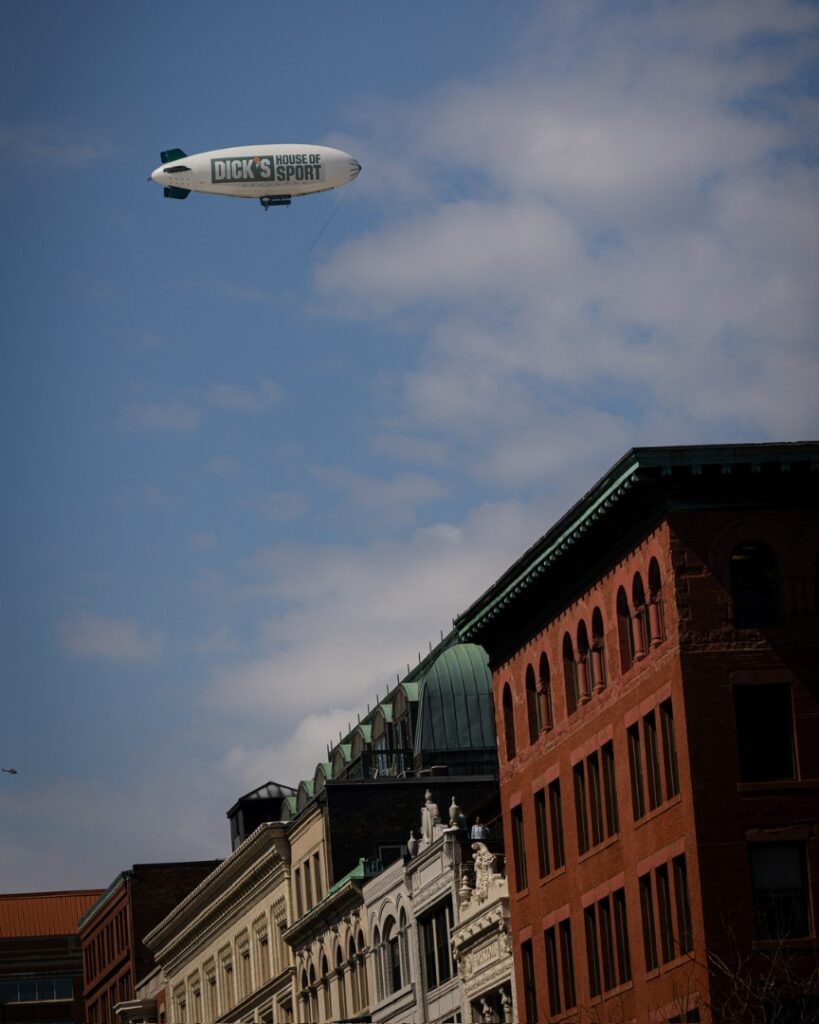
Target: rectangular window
(672, 775)
(552, 971)
(443, 922)
(317, 875)
(542, 833)
(664, 909)
(567, 964)
(519, 849)
(556, 821)
(595, 800)
(649, 932)
(430, 963)
(581, 812)
(610, 789)
(436, 930)
(308, 886)
(655, 793)
(592, 957)
(297, 887)
(621, 931)
(780, 893)
(685, 933)
(606, 944)
(636, 770)
(764, 716)
(529, 989)
(196, 1005)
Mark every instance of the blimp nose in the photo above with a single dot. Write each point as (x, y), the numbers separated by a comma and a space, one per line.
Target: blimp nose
(355, 169)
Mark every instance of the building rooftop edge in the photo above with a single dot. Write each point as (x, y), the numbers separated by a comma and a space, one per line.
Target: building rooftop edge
(597, 501)
(120, 880)
(243, 851)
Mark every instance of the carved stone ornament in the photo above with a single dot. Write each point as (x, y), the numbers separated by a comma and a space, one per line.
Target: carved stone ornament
(412, 844)
(430, 817)
(484, 871)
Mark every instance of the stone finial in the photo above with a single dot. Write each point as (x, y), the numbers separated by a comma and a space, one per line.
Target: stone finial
(456, 815)
(412, 844)
(465, 891)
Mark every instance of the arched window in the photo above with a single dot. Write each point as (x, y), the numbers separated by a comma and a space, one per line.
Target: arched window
(532, 706)
(381, 740)
(304, 996)
(378, 966)
(353, 976)
(625, 633)
(402, 722)
(363, 990)
(585, 671)
(656, 617)
(338, 762)
(403, 931)
(598, 651)
(392, 957)
(314, 1010)
(640, 606)
(570, 675)
(325, 984)
(509, 723)
(754, 585)
(342, 992)
(545, 693)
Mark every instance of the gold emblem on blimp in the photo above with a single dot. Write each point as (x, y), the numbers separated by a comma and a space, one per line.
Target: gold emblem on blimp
(257, 160)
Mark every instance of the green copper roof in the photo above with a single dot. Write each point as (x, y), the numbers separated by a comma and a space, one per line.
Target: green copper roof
(411, 691)
(455, 706)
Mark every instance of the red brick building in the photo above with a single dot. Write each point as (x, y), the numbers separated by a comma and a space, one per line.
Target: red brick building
(655, 664)
(40, 962)
(113, 955)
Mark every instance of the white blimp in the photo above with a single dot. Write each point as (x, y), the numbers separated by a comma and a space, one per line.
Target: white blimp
(273, 174)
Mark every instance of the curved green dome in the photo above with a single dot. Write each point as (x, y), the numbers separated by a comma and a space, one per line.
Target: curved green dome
(455, 703)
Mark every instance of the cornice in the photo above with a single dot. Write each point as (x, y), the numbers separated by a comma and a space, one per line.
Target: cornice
(235, 883)
(324, 915)
(106, 898)
(664, 474)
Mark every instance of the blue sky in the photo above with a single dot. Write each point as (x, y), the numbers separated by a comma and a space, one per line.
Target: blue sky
(247, 477)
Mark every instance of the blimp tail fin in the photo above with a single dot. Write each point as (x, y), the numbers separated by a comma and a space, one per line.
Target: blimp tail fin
(176, 193)
(171, 154)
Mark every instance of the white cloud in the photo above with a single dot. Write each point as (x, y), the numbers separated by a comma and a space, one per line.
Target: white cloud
(49, 146)
(392, 504)
(244, 399)
(204, 541)
(222, 465)
(106, 825)
(87, 635)
(293, 758)
(282, 506)
(173, 416)
(637, 257)
(350, 618)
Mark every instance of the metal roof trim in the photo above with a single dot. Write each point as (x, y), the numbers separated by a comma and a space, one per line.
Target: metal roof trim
(106, 897)
(554, 549)
(604, 495)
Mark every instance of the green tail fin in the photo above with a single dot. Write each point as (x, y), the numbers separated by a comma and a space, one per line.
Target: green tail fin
(171, 154)
(176, 193)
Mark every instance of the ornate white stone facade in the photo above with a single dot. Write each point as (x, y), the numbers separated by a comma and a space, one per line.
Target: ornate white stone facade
(482, 942)
(221, 951)
(416, 911)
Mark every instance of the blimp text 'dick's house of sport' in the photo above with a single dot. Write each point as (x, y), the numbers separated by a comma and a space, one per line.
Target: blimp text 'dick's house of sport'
(273, 174)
